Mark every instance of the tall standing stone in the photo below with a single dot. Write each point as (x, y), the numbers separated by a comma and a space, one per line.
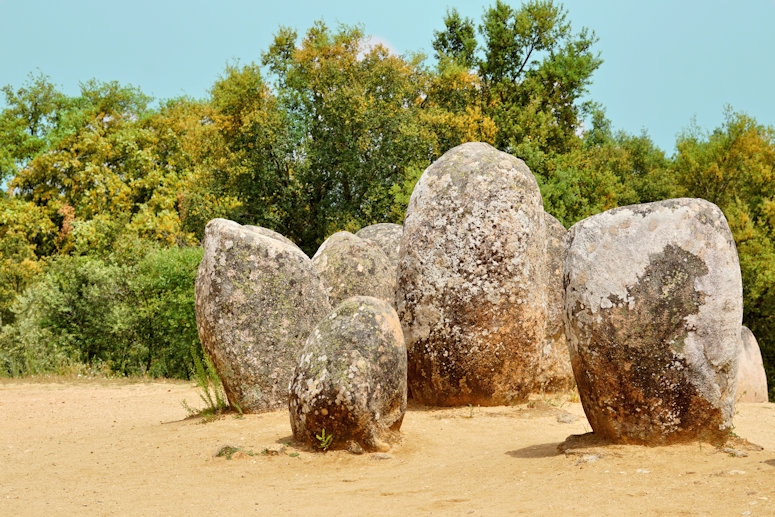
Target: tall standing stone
(653, 308)
(554, 372)
(257, 299)
(471, 294)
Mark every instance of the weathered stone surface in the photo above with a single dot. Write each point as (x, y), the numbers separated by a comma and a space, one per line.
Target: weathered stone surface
(387, 236)
(257, 299)
(273, 234)
(470, 291)
(554, 371)
(351, 266)
(653, 310)
(351, 378)
(751, 377)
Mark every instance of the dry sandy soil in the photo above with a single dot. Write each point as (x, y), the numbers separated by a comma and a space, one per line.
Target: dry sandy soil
(115, 448)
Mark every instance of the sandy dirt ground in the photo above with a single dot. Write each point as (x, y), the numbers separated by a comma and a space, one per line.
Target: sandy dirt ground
(118, 448)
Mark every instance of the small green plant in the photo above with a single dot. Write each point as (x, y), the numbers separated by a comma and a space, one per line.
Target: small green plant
(228, 451)
(210, 389)
(324, 440)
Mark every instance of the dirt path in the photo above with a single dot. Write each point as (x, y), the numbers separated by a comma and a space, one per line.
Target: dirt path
(112, 448)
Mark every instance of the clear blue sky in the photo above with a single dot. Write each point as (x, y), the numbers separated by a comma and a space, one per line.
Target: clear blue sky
(666, 61)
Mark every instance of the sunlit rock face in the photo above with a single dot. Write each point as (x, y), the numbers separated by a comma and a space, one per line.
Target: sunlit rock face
(257, 299)
(653, 309)
(350, 381)
(351, 266)
(751, 377)
(471, 291)
(387, 236)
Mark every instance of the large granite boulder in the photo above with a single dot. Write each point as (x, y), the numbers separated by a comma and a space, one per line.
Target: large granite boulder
(351, 266)
(257, 299)
(653, 310)
(385, 235)
(471, 293)
(350, 381)
(751, 377)
(554, 371)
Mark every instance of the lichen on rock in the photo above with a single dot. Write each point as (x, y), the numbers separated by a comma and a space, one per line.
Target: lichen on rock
(257, 298)
(351, 266)
(653, 308)
(385, 235)
(471, 279)
(350, 380)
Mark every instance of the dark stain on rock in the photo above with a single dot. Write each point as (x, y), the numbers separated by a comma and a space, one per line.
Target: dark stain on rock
(633, 375)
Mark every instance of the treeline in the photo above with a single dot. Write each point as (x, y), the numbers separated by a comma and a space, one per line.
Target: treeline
(107, 195)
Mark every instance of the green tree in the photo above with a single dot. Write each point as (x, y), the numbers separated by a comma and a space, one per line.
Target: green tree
(353, 113)
(534, 71)
(32, 112)
(456, 44)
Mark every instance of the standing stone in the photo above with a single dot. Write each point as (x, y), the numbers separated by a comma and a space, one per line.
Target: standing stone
(351, 266)
(387, 236)
(471, 294)
(751, 377)
(351, 378)
(257, 299)
(555, 372)
(653, 308)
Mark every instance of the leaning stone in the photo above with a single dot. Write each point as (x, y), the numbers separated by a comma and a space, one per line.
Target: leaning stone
(257, 299)
(350, 380)
(471, 293)
(387, 236)
(351, 266)
(555, 373)
(653, 308)
(751, 377)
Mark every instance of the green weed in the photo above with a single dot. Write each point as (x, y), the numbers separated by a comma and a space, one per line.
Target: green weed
(324, 440)
(210, 390)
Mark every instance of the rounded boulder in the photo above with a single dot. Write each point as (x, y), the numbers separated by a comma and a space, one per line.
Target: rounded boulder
(350, 381)
(351, 266)
(385, 235)
(751, 377)
(653, 310)
(555, 373)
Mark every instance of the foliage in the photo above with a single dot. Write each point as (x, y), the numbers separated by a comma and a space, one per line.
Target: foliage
(324, 440)
(131, 318)
(210, 388)
(534, 70)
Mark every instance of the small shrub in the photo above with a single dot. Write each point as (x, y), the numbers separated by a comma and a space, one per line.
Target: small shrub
(210, 388)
